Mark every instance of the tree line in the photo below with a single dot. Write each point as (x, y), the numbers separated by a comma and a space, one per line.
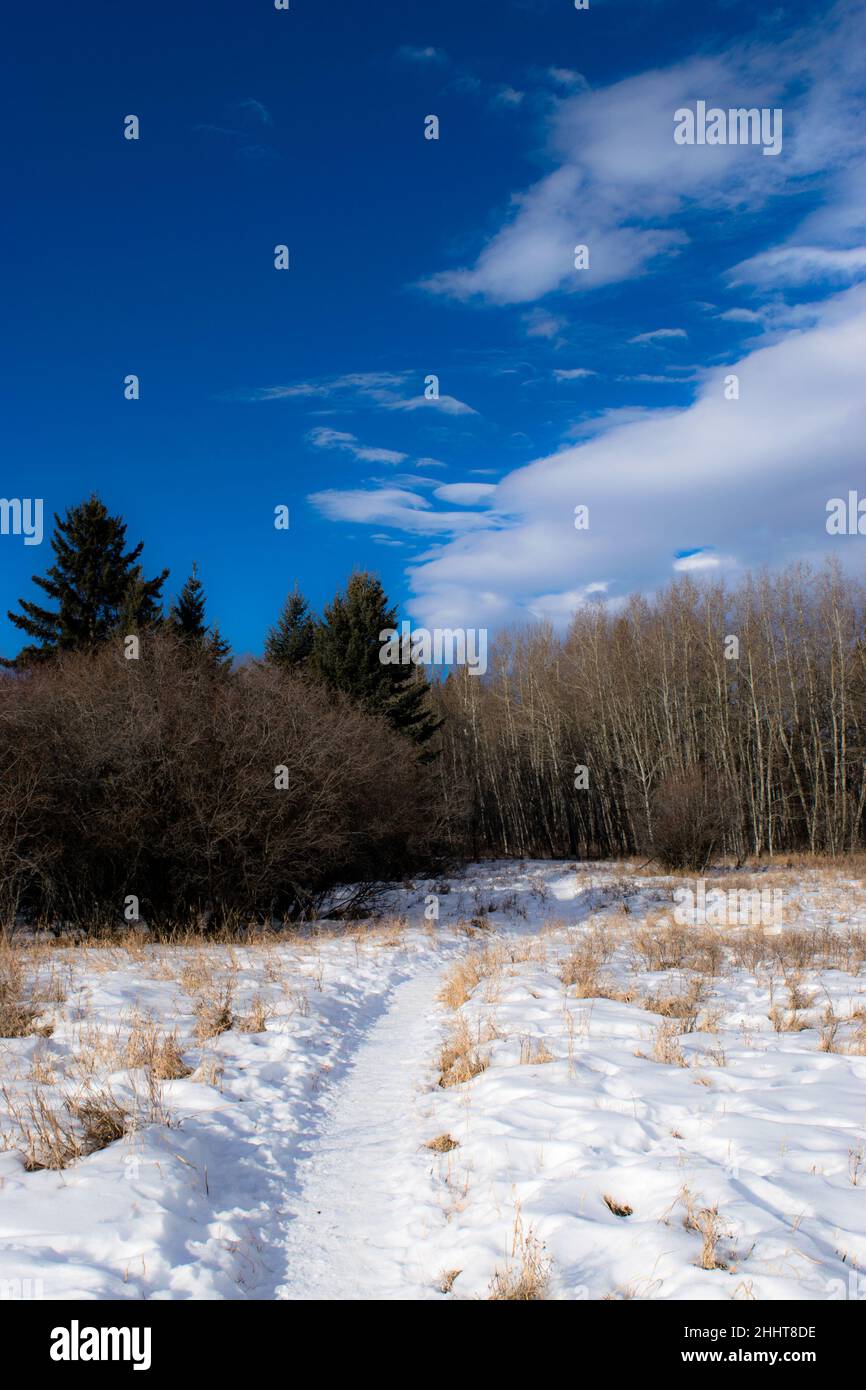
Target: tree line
(704, 721)
(693, 744)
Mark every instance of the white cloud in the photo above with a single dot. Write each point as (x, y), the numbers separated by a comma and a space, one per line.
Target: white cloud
(540, 324)
(658, 335)
(325, 438)
(741, 316)
(572, 373)
(508, 97)
(449, 405)
(619, 183)
(799, 265)
(369, 455)
(567, 77)
(701, 560)
(746, 480)
(465, 494)
(397, 507)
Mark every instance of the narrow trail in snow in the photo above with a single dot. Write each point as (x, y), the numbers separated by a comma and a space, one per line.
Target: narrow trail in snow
(343, 1237)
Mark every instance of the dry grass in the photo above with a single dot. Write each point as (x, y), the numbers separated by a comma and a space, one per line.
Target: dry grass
(661, 945)
(460, 1058)
(581, 968)
(682, 1006)
(101, 1117)
(533, 1051)
(213, 1011)
(618, 1208)
(19, 1009)
(708, 1224)
(53, 1137)
(256, 1018)
(442, 1144)
(446, 1280)
(159, 1052)
(45, 1134)
(666, 1046)
(467, 973)
(711, 1228)
(525, 1277)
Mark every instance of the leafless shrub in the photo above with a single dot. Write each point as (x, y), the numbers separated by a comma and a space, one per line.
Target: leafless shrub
(688, 819)
(164, 772)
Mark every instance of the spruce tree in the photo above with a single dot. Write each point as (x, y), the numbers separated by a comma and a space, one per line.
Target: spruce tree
(186, 615)
(187, 620)
(290, 640)
(346, 654)
(95, 582)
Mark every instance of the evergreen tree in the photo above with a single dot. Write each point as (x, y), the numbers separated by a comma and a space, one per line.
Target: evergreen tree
(346, 654)
(186, 615)
(187, 620)
(139, 608)
(96, 584)
(290, 640)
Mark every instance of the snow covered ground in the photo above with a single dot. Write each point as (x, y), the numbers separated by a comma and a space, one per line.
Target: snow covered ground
(553, 1089)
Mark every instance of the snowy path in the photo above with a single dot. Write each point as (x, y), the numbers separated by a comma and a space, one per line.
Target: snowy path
(347, 1235)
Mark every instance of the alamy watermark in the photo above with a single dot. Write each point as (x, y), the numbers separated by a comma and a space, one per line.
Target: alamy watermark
(738, 125)
(77, 1343)
(22, 516)
(444, 646)
(732, 907)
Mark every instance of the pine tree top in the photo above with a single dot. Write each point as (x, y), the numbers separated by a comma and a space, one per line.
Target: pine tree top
(95, 582)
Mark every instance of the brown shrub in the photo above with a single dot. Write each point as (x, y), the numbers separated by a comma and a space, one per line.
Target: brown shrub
(157, 777)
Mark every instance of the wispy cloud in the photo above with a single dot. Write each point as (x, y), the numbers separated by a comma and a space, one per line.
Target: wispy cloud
(800, 265)
(427, 54)
(324, 438)
(382, 389)
(657, 335)
(398, 507)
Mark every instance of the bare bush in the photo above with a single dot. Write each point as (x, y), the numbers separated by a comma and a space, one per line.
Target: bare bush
(204, 794)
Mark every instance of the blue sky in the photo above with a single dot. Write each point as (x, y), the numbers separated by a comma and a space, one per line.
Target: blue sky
(453, 257)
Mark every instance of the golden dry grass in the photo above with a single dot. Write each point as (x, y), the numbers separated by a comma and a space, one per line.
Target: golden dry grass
(443, 1144)
(618, 1208)
(460, 1058)
(525, 1276)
